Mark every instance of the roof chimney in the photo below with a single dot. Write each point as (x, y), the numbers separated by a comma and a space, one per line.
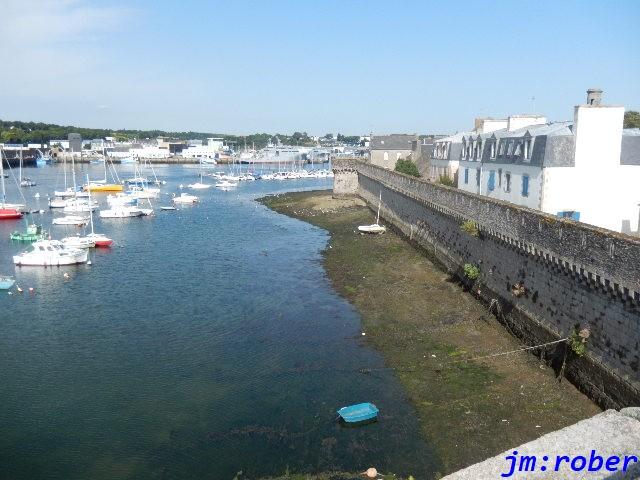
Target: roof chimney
(594, 97)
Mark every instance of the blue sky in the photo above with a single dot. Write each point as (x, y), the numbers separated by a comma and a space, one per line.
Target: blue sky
(322, 66)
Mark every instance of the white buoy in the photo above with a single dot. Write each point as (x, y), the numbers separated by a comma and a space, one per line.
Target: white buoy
(88, 262)
(372, 472)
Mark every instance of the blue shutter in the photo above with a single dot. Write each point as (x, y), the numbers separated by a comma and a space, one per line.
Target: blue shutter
(466, 175)
(491, 184)
(525, 185)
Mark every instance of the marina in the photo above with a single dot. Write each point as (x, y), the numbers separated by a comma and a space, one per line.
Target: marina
(149, 358)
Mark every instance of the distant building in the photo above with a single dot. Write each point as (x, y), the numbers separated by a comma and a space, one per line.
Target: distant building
(386, 150)
(75, 142)
(587, 169)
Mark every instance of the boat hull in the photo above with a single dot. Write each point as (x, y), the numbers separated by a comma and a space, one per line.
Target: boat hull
(104, 188)
(9, 214)
(359, 413)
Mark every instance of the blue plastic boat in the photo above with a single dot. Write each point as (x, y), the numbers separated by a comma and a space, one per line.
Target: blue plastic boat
(6, 282)
(360, 412)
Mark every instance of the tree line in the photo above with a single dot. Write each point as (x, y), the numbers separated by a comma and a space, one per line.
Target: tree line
(38, 132)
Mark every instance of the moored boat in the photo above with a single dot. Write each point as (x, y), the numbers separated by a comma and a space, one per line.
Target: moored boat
(361, 412)
(78, 242)
(51, 253)
(6, 282)
(100, 240)
(103, 187)
(121, 211)
(71, 220)
(185, 198)
(32, 234)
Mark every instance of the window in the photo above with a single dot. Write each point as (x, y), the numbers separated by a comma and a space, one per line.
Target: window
(525, 185)
(466, 175)
(501, 149)
(510, 149)
(527, 149)
(491, 183)
(499, 177)
(477, 177)
(479, 152)
(507, 181)
(493, 149)
(518, 151)
(464, 149)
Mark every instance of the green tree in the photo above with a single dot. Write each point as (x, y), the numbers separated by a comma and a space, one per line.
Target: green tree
(407, 166)
(631, 119)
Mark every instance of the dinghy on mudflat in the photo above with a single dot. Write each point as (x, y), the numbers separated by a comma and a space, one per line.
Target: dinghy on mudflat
(360, 412)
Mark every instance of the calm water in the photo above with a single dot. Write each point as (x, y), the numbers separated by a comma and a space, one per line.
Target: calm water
(207, 341)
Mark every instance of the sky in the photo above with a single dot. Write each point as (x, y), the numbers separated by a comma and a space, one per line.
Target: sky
(341, 66)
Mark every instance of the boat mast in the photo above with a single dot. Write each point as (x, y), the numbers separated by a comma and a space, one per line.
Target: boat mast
(20, 164)
(379, 202)
(2, 178)
(90, 206)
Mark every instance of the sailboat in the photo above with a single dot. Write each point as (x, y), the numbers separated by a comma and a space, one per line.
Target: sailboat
(99, 240)
(199, 185)
(376, 227)
(7, 212)
(102, 185)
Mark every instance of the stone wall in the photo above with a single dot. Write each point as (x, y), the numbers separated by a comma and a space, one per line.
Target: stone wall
(575, 275)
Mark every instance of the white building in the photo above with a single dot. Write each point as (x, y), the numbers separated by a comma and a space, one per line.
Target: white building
(587, 169)
(447, 151)
(212, 149)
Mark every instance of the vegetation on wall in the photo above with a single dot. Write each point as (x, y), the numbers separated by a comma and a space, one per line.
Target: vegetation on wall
(447, 180)
(471, 271)
(407, 166)
(470, 227)
(631, 119)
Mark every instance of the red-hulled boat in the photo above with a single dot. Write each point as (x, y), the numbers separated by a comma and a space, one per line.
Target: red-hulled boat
(9, 214)
(100, 240)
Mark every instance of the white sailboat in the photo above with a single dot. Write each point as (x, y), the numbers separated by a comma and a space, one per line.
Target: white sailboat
(376, 227)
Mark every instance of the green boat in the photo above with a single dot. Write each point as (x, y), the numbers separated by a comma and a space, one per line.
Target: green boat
(33, 233)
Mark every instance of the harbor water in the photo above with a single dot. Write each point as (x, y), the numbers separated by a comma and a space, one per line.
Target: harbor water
(205, 342)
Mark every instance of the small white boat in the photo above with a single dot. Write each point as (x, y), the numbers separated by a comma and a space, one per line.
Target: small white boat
(376, 227)
(57, 203)
(199, 186)
(100, 240)
(79, 242)
(146, 211)
(51, 253)
(185, 198)
(225, 185)
(167, 208)
(76, 205)
(121, 211)
(71, 220)
(121, 199)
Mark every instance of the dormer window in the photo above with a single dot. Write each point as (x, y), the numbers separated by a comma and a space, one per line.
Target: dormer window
(464, 149)
(527, 149)
(479, 152)
(510, 149)
(518, 151)
(501, 149)
(493, 149)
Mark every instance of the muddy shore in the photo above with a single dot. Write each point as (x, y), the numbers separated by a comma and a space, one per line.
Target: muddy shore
(426, 326)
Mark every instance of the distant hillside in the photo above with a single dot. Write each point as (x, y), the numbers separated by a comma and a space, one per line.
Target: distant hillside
(37, 132)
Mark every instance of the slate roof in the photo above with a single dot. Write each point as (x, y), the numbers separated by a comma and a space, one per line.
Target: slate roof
(392, 142)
